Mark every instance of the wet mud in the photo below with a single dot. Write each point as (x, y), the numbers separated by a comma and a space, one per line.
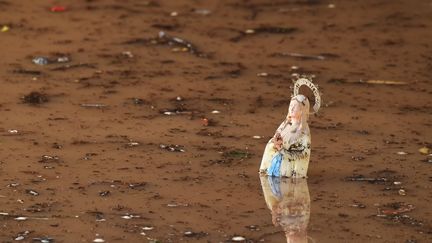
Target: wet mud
(145, 121)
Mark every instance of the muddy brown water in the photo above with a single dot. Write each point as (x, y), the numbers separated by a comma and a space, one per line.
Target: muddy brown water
(80, 172)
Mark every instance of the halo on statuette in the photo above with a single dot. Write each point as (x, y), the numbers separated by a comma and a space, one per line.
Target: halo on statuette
(304, 81)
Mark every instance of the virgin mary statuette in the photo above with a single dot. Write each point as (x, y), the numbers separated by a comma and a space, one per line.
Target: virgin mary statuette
(287, 154)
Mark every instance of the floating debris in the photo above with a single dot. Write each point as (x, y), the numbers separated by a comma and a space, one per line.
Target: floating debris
(262, 74)
(358, 205)
(178, 49)
(147, 228)
(13, 131)
(165, 26)
(32, 192)
(35, 98)
(368, 179)
(40, 61)
(174, 14)
(253, 227)
(130, 216)
(357, 158)
(176, 42)
(274, 30)
(30, 72)
(395, 208)
(238, 238)
(49, 159)
(22, 218)
(139, 101)
(299, 56)
(203, 12)
(424, 150)
(22, 235)
(402, 192)
(100, 217)
(205, 122)
(195, 234)
(256, 137)
(88, 156)
(172, 147)
(388, 82)
(104, 193)
(174, 205)
(138, 186)
(5, 28)
(14, 184)
(127, 54)
(18, 238)
(402, 218)
(264, 29)
(44, 240)
(58, 8)
(402, 153)
(98, 240)
(175, 112)
(384, 82)
(215, 112)
(94, 105)
(39, 207)
(63, 59)
(132, 144)
(57, 145)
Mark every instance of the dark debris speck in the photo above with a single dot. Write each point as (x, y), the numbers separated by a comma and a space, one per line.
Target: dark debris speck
(35, 98)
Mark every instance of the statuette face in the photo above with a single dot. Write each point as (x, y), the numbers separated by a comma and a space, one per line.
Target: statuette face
(288, 151)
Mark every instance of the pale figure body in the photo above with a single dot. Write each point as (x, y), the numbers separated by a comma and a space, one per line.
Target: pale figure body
(287, 154)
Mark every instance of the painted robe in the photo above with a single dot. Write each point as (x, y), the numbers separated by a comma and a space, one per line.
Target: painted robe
(293, 159)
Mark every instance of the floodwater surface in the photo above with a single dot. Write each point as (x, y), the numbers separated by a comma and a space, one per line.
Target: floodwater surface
(147, 120)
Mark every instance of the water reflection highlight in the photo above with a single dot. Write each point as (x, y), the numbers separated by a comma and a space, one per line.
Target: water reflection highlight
(289, 202)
